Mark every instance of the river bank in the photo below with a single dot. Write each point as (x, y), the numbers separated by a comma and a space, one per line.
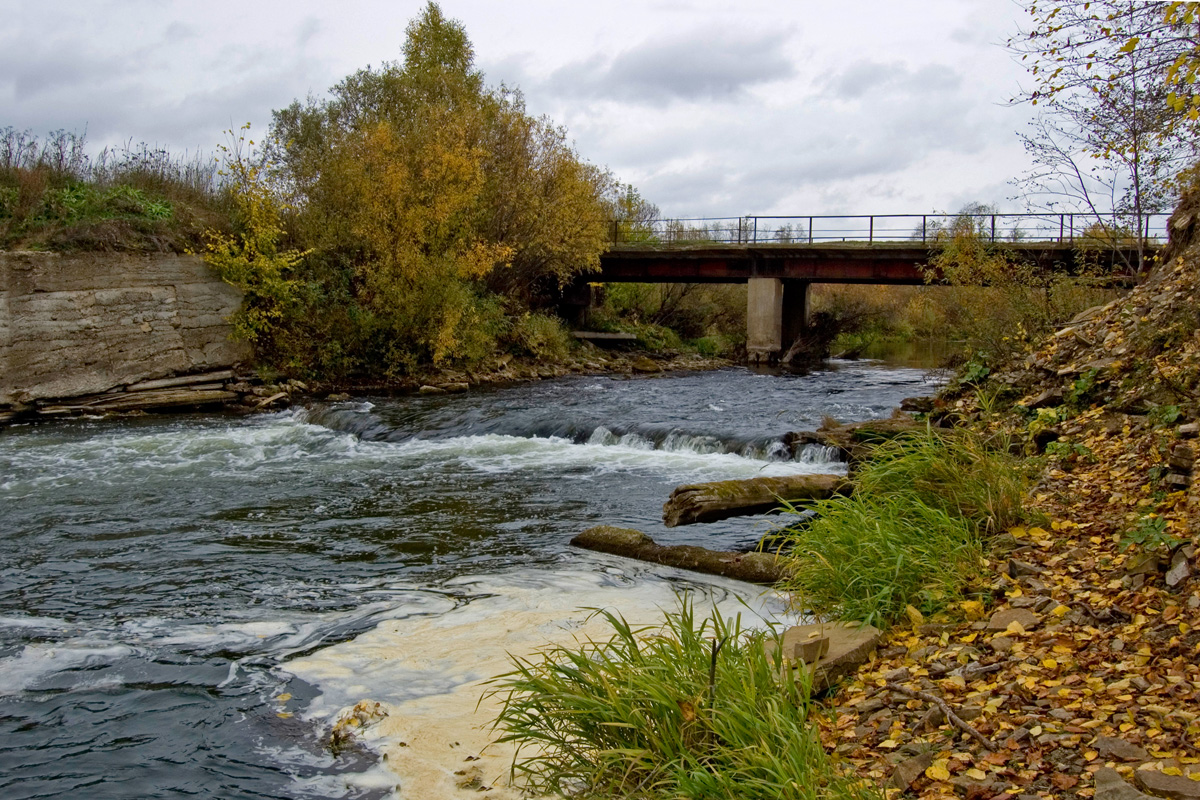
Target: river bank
(241, 390)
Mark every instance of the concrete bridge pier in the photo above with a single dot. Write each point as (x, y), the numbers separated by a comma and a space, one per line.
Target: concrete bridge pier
(776, 313)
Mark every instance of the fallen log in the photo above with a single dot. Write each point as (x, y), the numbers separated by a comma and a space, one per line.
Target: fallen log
(750, 567)
(710, 502)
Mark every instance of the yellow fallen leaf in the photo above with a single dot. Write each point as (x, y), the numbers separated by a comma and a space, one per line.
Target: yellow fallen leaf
(1036, 730)
(1060, 610)
(972, 608)
(1176, 771)
(1017, 532)
(1015, 627)
(970, 637)
(1090, 755)
(1015, 592)
(283, 698)
(888, 744)
(1049, 663)
(914, 616)
(976, 774)
(284, 715)
(937, 773)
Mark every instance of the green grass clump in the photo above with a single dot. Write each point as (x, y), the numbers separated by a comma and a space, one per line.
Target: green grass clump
(953, 471)
(913, 533)
(681, 711)
(867, 558)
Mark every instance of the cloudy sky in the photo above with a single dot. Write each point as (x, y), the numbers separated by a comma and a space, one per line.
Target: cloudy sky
(709, 108)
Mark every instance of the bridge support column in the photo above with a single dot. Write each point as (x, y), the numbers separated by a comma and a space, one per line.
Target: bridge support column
(776, 313)
(764, 319)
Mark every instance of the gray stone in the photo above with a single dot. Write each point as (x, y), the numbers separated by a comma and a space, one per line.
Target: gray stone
(849, 648)
(1114, 749)
(1180, 569)
(1017, 568)
(1175, 787)
(907, 772)
(1111, 786)
(455, 387)
(427, 389)
(896, 675)
(1004, 617)
(1001, 644)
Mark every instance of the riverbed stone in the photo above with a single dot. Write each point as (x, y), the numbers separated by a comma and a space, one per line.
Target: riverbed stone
(1000, 620)
(1116, 749)
(1160, 784)
(645, 365)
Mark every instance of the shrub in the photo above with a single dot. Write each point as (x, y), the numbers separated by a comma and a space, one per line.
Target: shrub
(684, 711)
(540, 336)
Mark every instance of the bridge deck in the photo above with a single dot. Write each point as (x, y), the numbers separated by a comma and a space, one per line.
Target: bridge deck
(850, 262)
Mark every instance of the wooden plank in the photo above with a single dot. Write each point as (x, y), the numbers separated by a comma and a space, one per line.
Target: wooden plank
(605, 337)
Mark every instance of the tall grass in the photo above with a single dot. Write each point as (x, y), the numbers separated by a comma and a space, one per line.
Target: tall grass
(912, 534)
(954, 471)
(694, 709)
(867, 558)
(54, 195)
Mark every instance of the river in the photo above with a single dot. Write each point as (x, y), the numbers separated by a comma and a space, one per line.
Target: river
(187, 602)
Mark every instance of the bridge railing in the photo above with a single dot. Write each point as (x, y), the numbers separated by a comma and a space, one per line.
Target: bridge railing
(826, 229)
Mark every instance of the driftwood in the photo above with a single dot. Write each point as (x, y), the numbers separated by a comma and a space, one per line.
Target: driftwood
(955, 719)
(750, 567)
(710, 502)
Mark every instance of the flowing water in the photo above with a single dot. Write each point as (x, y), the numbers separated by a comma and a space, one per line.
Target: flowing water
(186, 601)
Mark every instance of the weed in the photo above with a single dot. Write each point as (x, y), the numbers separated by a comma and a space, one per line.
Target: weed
(1150, 534)
(1164, 415)
(1082, 389)
(868, 557)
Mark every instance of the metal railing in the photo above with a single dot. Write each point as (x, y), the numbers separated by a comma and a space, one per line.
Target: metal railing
(1066, 228)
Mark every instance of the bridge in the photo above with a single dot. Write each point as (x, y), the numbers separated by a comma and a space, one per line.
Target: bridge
(779, 258)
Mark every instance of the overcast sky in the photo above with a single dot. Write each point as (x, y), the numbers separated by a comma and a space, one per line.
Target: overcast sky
(709, 108)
